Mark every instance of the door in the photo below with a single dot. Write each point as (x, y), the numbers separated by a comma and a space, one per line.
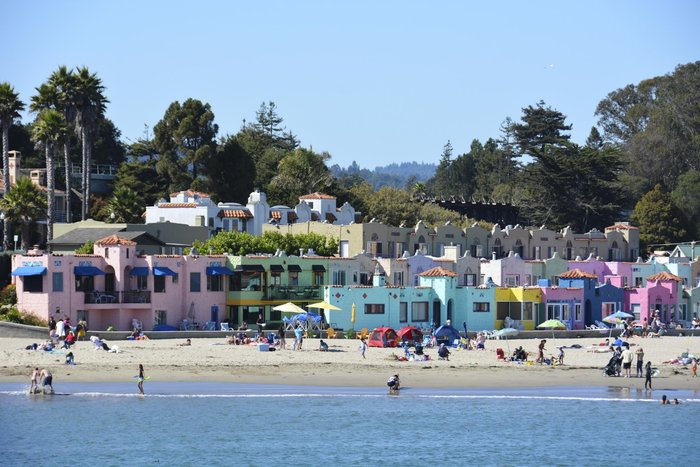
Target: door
(344, 249)
(215, 315)
(109, 282)
(587, 316)
(436, 313)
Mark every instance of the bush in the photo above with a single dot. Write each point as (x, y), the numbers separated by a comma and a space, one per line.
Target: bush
(350, 334)
(8, 295)
(13, 315)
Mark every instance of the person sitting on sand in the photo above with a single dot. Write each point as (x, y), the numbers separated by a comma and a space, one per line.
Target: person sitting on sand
(70, 359)
(70, 340)
(481, 341)
(323, 347)
(443, 353)
(186, 343)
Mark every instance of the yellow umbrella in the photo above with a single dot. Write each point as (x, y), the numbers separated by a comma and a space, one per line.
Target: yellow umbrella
(324, 306)
(352, 316)
(289, 307)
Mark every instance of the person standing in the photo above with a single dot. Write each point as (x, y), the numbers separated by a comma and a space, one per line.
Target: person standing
(260, 323)
(46, 379)
(647, 382)
(283, 341)
(34, 383)
(299, 336)
(61, 329)
(627, 357)
(140, 379)
(52, 325)
(695, 368)
(540, 351)
(363, 347)
(640, 362)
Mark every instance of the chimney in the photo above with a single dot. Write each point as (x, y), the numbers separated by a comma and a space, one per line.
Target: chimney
(13, 169)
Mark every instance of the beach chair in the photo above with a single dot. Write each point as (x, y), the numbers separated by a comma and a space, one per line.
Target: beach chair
(331, 333)
(428, 341)
(362, 334)
(225, 327)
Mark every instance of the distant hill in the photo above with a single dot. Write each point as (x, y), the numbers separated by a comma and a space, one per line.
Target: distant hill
(393, 175)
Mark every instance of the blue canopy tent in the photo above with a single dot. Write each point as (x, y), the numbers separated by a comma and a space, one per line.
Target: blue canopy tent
(446, 334)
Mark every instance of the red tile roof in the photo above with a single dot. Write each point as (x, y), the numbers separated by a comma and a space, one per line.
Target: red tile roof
(114, 240)
(177, 205)
(664, 276)
(577, 274)
(235, 213)
(276, 214)
(317, 195)
(438, 272)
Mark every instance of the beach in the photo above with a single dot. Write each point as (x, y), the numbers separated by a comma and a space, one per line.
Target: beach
(212, 359)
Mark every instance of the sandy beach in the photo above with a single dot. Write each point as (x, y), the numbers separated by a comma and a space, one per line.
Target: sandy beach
(212, 359)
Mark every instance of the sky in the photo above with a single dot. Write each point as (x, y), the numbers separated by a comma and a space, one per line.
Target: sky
(374, 82)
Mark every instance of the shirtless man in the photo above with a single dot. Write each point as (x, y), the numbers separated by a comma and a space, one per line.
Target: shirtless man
(46, 379)
(34, 384)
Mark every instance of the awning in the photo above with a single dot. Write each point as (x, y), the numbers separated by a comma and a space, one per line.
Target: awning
(276, 268)
(294, 268)
(249, 268)
(87, 271)
(140, 271)
(219, 271)
(318, 268)
(29, 271)
(163, 271)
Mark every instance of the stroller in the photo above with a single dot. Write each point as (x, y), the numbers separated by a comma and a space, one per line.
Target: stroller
(613, 367)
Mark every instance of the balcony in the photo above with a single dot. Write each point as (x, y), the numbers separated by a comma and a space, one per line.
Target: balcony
(136, 296)
(284, 292)
(100, 297)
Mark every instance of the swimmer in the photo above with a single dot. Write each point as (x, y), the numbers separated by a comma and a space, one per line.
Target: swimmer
(676, 402)
(664, 400)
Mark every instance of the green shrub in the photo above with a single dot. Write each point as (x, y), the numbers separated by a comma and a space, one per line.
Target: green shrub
(8, 295)
(13, 315)
(350, 334)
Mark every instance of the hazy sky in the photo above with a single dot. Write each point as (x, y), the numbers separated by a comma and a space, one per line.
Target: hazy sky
(370, 81)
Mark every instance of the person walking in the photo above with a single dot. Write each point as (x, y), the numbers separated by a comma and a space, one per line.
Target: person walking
(140, 379)
(363, 347)
(640, 362)
(283, 341)
(647, 382)
(540, 351)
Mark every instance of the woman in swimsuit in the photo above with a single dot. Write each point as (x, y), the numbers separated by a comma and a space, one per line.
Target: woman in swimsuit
(140, 379)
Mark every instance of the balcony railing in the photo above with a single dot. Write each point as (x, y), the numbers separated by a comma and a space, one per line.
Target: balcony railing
(284, 292)
(100, 297)
(136, 296)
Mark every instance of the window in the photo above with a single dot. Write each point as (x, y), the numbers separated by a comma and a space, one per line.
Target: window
(159, 284)
(419, 311)
(338, 278)
(275, 278)
(57, 282)
(512, 280)
(638, 282)
(161, 317)
(127, 252)
(470, 280)
(106, 252)
(195, 282)
(536, 252)
(550, 251)
(318, 278)
(215, 283)
(398, 279)
(364, 279)
(608, 308)
(176, 277)
(577, 311)
(83, 283)
(34, 284)
(512, 310)
(527, 311)
(566, 311)
(403, 312)
(199, 221)
(374, 308)
(293, 278)
(482, 307)
(246, 280)
(141, 282)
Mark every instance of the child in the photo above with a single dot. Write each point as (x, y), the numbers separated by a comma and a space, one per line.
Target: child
(363, 347)
(561, 355)
(70, 359)
(695, 368)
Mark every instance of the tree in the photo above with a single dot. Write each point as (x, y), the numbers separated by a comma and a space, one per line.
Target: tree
(541, 125)
(10, 108)
(243, 243)
(142, 177)
(126, 205)
(185, 138)
(90, 104)
(300, 173)
(687, 195)
(659, 220)
(50, 129)
(230, 158)
(24, 204)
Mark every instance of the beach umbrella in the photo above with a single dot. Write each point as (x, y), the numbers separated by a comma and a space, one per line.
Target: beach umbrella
(616, 318)
(552, 324)
(289, 307)
(352, 316)
(324, 306)
(507, 332)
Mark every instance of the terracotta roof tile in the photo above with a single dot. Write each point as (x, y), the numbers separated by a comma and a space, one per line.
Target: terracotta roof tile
(235, 213)
(438, 272)
(664, 276)
(114, 240)
(317, 195)
(177, 205)
(577, 274)
(276, 215)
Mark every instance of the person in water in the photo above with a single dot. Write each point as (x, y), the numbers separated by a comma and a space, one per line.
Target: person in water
(394, 383)
(140, 378)
(34, 383)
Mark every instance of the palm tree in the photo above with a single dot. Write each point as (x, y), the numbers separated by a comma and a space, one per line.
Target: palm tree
(90, 105)
(49, 130)
(126, 205)
(59, 93)
(24, 204)
(10, 107)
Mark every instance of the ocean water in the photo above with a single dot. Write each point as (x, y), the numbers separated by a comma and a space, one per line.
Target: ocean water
(183, 424)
